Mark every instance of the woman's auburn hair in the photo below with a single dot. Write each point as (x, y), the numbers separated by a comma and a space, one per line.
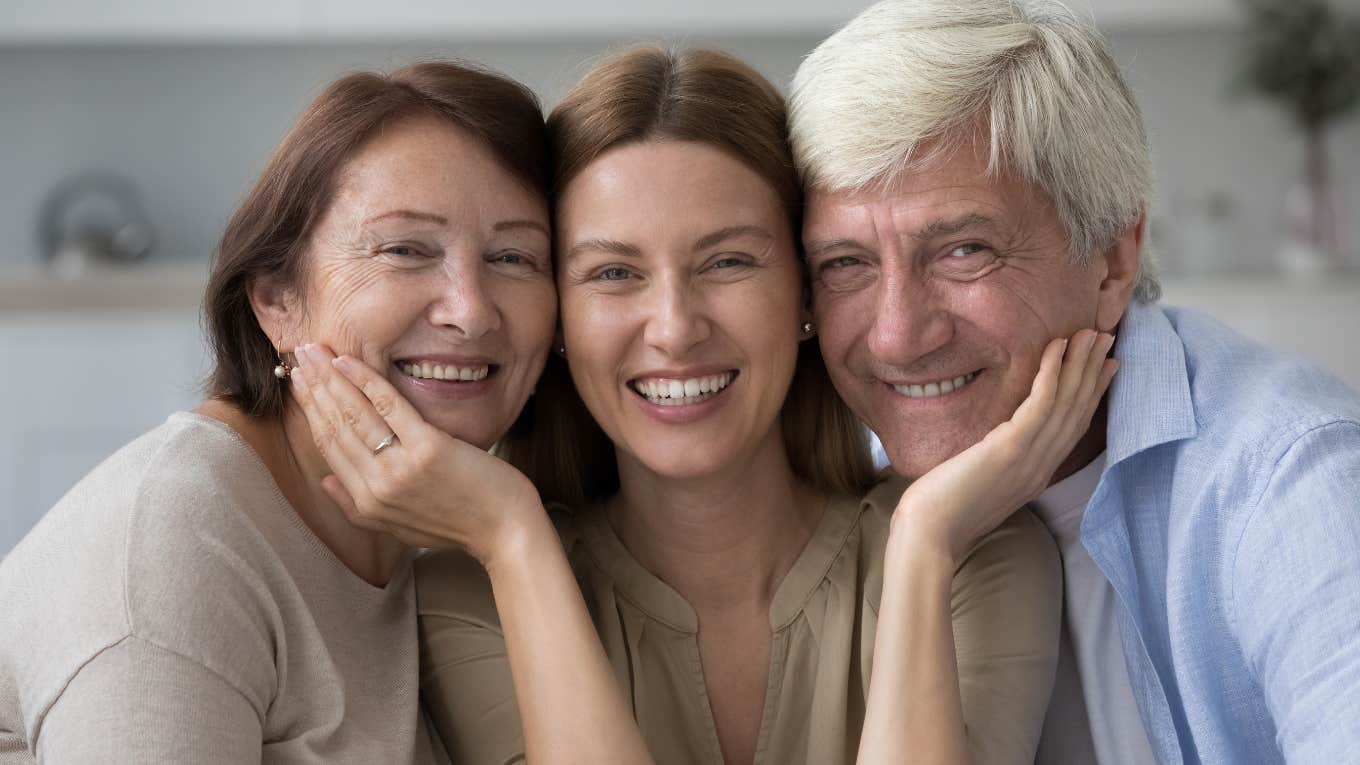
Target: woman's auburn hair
(650, 93)
(267, 237)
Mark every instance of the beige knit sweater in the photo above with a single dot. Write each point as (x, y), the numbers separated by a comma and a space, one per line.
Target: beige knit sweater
(172, 607)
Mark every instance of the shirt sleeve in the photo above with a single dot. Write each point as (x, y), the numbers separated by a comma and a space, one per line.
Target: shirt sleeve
(1007, 610)
(1296, 594)
(465, 679)
(137, 702)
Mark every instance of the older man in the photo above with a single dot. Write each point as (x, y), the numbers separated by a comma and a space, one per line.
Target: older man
(977, 176)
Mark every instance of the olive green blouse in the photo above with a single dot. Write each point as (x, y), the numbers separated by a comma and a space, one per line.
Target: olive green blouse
(1006, 605)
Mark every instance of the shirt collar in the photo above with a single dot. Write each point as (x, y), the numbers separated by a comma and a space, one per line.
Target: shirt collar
(1149, 399)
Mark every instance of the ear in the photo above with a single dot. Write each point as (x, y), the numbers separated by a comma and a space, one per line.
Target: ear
(277, 310)
(1120, 263)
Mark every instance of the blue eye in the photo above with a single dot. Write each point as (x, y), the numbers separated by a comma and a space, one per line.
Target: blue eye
(403, 251)
(731, 262)
(614, 274)
(964, 250)
(844, 261)
(513, 258)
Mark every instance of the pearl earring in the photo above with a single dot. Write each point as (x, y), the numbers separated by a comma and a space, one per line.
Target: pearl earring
(287, 362)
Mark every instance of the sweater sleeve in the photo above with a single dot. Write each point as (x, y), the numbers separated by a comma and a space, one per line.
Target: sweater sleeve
(138, 702)
(1007, 608)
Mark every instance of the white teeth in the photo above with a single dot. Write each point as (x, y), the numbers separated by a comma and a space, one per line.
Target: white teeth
(934, 389)
(682, 392)
(429, 371)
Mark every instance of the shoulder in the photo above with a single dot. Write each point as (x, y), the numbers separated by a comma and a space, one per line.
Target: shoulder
(1020, 549)
(451, 584)
(151, 545)
(202, 579)
(1257, 393)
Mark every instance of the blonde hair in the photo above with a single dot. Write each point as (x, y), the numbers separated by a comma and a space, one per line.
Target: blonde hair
(906, 82)
(705, 96)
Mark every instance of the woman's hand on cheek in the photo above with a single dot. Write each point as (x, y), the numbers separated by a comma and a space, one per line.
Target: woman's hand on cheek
(423, 486)
(968, 495)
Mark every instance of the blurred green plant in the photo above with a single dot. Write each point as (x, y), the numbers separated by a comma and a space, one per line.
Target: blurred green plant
(1304, 54)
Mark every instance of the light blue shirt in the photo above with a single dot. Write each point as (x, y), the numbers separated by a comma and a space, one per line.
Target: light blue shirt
(1228, 522)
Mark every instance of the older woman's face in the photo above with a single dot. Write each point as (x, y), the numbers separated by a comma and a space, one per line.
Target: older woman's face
(433, 265)
(681, 300)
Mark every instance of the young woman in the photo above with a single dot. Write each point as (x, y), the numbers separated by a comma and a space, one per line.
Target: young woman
(743, 579)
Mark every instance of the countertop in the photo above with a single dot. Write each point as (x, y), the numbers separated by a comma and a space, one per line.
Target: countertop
(148, 286)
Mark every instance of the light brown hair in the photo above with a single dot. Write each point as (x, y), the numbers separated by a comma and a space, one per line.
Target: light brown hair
(267, 237)
(650, 93)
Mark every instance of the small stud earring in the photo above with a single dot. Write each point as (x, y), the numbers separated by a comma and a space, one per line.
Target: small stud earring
(287, 362)
(807, 327)
(562, 350)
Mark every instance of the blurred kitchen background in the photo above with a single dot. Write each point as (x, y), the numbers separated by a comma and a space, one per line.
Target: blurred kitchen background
(129, 131)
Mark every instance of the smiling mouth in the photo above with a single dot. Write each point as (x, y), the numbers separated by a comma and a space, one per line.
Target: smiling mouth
(937, 388)
(663, 391)
(425, 370)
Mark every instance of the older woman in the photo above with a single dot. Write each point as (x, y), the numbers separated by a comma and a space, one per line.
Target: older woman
(741, 574)
(199, 597)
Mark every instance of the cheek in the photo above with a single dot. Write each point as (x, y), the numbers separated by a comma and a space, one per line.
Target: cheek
(529, 313)
(838, 319)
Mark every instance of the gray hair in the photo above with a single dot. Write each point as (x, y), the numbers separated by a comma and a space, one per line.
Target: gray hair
(907, 81)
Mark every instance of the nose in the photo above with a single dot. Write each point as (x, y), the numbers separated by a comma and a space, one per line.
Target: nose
(677, 321)
(908, 323)
(460, 300)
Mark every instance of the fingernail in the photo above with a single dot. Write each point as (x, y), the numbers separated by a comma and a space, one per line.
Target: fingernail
(342, 363)
(1091, 342)
(1064, 344)
(300, 355)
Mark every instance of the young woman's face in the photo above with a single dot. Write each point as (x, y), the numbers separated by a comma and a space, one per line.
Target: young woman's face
(681, 304)
(433, 265)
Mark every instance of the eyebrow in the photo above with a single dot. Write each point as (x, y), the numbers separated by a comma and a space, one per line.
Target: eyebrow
(933, 229)
(938, 228)
(410, 215)
(614, 246)
(508, 225)
(731, 232)
(823, 247)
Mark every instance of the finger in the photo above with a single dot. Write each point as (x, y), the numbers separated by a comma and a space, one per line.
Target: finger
(1094, 364)
(323, 428)
(1073, 420)
(395, 410)
(345, 452)
(1069, 401)
(1034, 411)
(346, 405)
(1079, 351)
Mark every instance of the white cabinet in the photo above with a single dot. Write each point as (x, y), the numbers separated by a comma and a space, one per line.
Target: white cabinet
(78, 386)
(453, 20)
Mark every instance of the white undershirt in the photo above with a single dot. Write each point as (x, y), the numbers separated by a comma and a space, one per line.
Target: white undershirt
(1091, 634)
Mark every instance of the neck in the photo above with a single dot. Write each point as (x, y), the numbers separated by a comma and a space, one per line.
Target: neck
(724, 540)
(289, 453)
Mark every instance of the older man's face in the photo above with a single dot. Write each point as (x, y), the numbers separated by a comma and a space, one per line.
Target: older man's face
(935, 300)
